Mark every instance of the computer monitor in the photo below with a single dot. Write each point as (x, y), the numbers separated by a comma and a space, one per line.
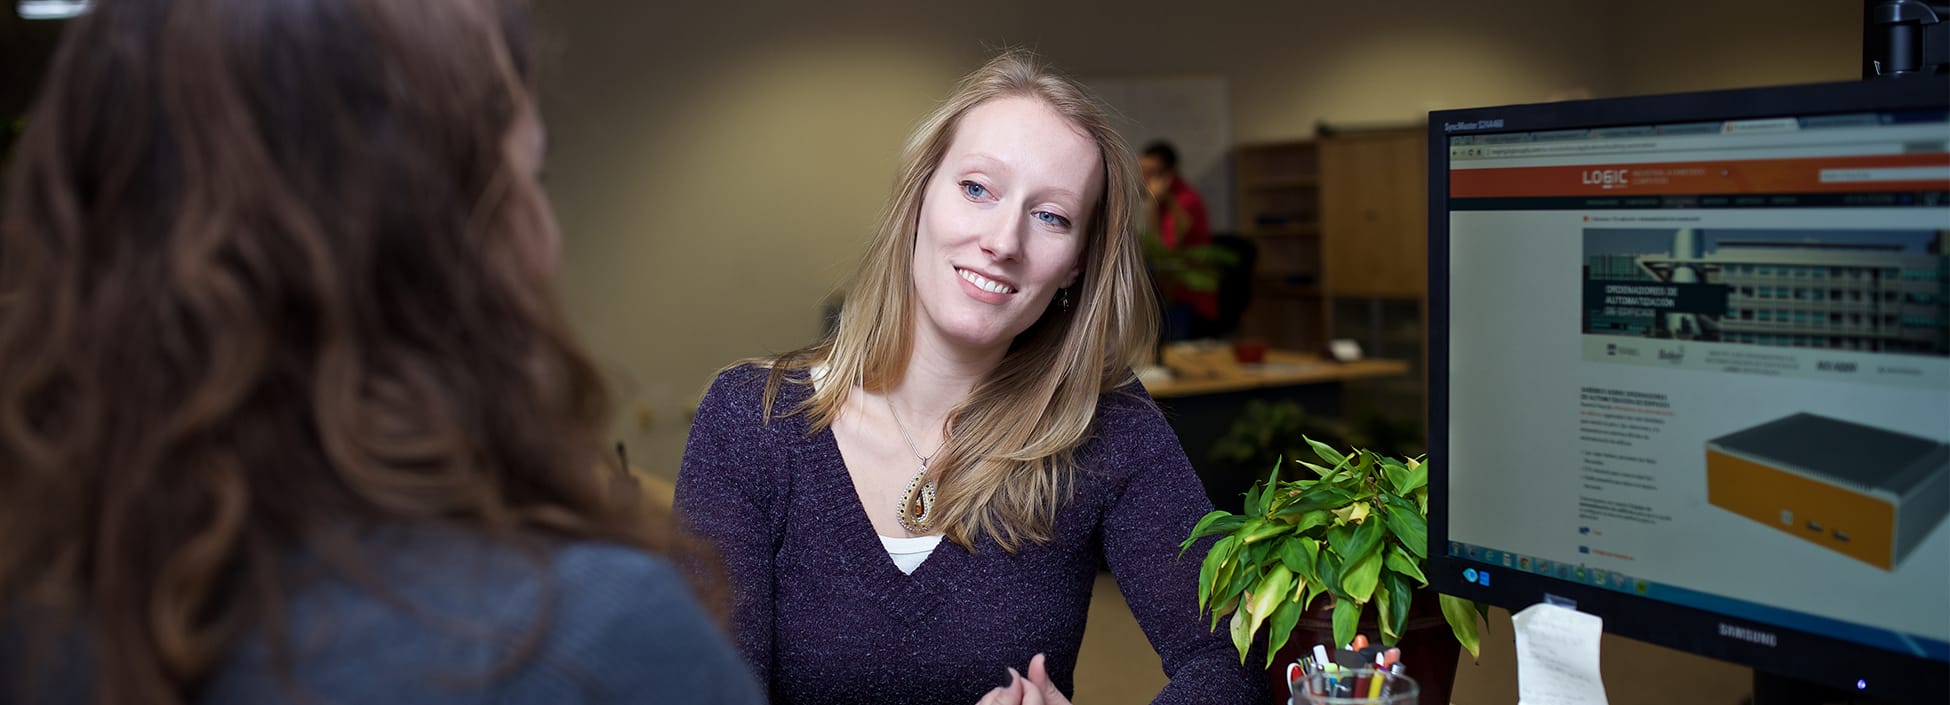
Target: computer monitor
(1690, 372)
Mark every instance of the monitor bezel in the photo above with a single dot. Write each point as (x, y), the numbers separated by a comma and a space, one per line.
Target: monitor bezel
(1799, 655)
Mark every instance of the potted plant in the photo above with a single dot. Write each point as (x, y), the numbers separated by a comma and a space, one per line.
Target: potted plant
(1195, 267)
(1184, 268)
(1353, 529)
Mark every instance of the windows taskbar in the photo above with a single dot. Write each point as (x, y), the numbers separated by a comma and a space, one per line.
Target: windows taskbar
(1921, 646)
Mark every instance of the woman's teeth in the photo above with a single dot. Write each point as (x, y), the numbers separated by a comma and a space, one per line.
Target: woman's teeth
(986, 284)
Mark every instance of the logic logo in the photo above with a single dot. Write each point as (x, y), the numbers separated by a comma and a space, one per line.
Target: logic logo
(1607, 178)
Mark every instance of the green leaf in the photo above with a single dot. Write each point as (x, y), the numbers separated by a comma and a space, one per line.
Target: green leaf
(1242, 638)
(1366, 542)
(1364, 460)
(1314, 590)
(1326, 452)
(1281, 628)
(1361, 577)
(1418, 478)
(1268, 594)
(1261, 494)
(1401, 595)
(1327, 570)
(1209, 572)
(1217, 521)
(1340, 538)
(1316, 498)
(1382, 602)
(1397, 476)
(1295, 558)
(1461, 615)
(1318, 470)
(1259, 530)
(1227, 608)
(1409, 527)
(1312, 547)
(1347, 616)
(1317, 517)
(1230, 596)
(1400, 562)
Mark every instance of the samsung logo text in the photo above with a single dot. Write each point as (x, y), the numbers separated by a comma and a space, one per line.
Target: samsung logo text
(1751, 636)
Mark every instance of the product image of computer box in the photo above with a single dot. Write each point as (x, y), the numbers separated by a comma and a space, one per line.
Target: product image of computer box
(1868, 493)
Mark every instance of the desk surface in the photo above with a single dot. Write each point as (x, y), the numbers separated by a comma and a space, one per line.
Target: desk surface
(1281, 369)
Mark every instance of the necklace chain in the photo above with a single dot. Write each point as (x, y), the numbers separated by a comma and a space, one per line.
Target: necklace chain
(909, 440)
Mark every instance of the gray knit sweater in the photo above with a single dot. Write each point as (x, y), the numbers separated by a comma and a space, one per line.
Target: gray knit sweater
(465, 622)
(824, 616)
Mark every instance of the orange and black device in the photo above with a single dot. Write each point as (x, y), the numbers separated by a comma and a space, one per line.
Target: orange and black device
(1868, 493)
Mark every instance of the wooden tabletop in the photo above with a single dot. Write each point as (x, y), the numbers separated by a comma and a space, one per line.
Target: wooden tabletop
(1281, 369)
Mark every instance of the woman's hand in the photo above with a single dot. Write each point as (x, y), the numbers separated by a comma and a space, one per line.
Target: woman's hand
(1034, 690)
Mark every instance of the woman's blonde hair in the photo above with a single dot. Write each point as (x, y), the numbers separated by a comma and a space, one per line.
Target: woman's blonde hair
(1007, 466)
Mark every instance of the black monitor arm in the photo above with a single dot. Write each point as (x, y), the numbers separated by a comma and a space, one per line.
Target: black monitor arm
(1905, 38)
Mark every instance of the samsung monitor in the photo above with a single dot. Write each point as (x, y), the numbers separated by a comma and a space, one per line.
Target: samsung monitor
(1690, 372)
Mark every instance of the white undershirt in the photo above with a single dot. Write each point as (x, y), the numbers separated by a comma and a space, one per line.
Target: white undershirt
(909, 553)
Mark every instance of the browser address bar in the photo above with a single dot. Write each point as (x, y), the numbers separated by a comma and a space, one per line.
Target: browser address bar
(1882, 139)
(1545, 150)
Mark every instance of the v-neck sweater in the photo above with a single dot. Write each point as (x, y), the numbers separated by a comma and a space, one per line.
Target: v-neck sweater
(823, 615)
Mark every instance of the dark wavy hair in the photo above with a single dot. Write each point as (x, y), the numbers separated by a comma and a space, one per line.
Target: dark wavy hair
(275, 277)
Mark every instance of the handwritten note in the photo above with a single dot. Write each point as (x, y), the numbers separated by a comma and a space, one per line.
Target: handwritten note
(1557, 657)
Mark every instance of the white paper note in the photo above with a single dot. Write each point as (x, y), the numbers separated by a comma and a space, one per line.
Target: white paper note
(1557, 656)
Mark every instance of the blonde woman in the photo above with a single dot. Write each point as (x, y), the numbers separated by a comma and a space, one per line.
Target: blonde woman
(915, 509)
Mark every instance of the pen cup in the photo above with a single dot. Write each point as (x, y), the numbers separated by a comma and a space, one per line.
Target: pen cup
(1363, 686)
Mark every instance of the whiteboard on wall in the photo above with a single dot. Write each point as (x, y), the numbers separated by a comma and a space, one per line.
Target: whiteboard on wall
(1194, 114)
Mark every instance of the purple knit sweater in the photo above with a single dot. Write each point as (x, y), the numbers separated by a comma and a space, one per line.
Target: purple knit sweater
(824, 616)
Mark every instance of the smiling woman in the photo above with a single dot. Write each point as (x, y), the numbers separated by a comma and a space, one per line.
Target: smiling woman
(978, 392)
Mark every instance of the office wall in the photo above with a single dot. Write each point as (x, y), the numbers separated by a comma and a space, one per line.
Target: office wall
(717, 166)
(1675, 45)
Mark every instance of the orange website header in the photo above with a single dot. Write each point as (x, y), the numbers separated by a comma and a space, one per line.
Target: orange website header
(1900, 172)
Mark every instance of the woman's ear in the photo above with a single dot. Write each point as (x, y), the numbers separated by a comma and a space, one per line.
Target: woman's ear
(1072, 280)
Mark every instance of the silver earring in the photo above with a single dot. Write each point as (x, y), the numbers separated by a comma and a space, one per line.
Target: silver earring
(1065, 300)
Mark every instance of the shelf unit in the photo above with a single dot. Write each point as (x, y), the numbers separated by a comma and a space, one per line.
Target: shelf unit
(1279, 204)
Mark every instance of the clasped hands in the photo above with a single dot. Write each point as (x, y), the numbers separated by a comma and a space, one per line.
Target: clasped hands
(1032, 690)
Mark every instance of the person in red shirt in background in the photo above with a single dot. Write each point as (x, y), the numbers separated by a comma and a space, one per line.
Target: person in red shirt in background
(1179, 216)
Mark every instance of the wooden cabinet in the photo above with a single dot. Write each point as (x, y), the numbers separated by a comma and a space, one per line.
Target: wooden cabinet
(1374, 265)
(1374, 213)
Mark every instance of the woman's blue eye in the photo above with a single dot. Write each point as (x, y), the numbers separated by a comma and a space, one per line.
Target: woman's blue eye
(974, 190)
(1053, 219)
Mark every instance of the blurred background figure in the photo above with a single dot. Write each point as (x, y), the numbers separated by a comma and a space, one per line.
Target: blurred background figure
(1177, 214)
(289, 411)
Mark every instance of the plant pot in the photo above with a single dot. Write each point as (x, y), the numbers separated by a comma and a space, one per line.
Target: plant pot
(1429, 647)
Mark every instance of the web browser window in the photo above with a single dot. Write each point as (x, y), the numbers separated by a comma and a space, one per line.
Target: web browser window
(1744, 328)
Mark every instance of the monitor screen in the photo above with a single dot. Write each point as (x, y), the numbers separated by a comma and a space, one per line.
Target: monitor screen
(1690, 371)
